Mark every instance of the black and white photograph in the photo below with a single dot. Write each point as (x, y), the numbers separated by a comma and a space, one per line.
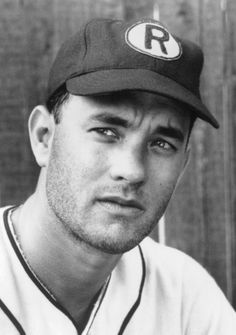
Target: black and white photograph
(118, 167)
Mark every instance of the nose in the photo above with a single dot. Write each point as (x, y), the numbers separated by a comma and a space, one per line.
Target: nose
(129, 165)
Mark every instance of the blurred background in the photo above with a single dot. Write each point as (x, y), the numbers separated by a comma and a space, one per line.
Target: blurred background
(201, 218)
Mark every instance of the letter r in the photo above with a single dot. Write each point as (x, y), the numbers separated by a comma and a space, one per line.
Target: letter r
(160, 39)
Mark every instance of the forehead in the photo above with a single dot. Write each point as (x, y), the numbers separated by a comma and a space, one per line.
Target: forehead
(131, 105)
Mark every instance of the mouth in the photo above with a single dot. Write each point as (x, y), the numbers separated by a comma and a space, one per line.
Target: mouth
(121, 205)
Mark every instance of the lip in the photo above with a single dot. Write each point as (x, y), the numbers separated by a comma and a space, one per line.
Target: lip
(122, 202)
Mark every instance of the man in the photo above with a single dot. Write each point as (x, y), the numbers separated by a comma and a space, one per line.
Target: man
(112, 143)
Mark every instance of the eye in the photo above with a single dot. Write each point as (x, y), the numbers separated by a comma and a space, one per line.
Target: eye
(163, 145)
(106, 132)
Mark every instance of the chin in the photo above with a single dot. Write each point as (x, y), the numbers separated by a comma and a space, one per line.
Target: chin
(114, 248)
(115, 245)
(113, 239)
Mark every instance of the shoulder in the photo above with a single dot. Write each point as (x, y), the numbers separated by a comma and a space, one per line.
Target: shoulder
(174, 265)
(178, 272)
(162, 257)
(183, 279)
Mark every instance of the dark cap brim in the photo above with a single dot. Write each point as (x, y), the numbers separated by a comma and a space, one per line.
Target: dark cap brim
(114, 80)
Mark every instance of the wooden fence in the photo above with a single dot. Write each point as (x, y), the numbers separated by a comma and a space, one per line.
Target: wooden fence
(201, 218)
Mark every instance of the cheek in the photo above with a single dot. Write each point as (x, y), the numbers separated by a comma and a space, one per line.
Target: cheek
(85, 160)
(163, 175)
(74, 170)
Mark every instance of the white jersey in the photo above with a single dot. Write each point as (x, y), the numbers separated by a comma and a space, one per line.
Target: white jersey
(153, 290)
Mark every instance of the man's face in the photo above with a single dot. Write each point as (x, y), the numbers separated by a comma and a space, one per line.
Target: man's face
(114, 163)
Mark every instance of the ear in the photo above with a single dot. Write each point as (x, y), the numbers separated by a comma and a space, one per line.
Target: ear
(41, 127)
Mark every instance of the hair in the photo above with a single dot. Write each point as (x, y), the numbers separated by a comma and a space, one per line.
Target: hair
(61, 95)
(56, 100)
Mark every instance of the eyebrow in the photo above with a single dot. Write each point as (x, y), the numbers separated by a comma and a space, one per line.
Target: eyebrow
(171, 132)
(111, 119)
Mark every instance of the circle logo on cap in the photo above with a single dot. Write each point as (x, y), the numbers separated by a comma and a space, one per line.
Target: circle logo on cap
(151, 38)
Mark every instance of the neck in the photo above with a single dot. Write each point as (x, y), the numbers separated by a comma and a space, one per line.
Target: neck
(63, 265)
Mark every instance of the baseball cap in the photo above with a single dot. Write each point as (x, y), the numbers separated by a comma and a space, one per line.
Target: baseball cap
(107, 56)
